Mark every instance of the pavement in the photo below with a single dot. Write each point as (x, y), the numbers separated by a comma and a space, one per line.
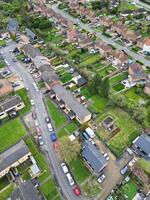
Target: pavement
(40, 109)
(136, 56)
(142, 4)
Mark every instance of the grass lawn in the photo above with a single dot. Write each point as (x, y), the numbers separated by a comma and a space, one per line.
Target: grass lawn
(48, 189)
(129, 190)
(20, 56)
(93, 58)
(79, 170)
(57, 116)
(66, 77)
(2, 42)
(125, 5)
(106, 71)
(68, 130)
(3, 182)
(85, 92)
(10, 133)
(118, 78)
(129, 130)
(145, 165)
(6, 193)
(25, 98)
(41, 84)
(99, 103)
(2, 63)
(118, 87)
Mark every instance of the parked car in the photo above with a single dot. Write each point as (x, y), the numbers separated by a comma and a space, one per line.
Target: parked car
(53, 136)
(124, 170)
(47, 120)
(32, 102)
(49, 126)
(34, 115)
(76, 190)
(38, 131)
(106, 156)
(64, 168)
(36, 123)
(101, 178)
(70, 179)
(40, 140)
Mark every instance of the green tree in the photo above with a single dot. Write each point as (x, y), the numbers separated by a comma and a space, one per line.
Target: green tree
(104, 87)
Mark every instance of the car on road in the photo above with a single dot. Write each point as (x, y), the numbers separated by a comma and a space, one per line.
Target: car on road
(76, 190)
(124, 170)
(38, 131)
(47, 120)
(64, 168)
(106, 156)
(36, 123)
(70, 179)
(101, 178)
(49, 126)
(32, 102)
(56, 146)
(40, 140)
(53, 136)
(36, 87)
(34, 115)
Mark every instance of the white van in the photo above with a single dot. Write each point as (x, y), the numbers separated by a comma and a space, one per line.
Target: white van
(70, 179)
(90, 132)
(49, 126)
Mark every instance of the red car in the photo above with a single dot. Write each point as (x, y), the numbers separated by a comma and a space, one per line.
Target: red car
(56, 146)
(76, 191)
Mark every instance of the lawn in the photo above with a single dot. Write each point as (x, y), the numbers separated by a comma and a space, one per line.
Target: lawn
(85, 92)
(125, 5)
(48, 189)
(25, 98)
(2, 63)
(94, 58)
(68, 129)
(144, 164)
(2, 42)
(118, 78)
(65, 77)
(6, 193)
(118, 87)
(3, 182)
(129, 130)
(79, 170)
(106, 71)
(129, 190)
(10, 133)
(57, 116)
(98, 103)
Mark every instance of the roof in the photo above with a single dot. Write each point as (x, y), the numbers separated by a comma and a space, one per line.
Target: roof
(70, 101)
(143, 142)
(136, 68)
(48, 75)
(39, 61)
(13, 154)
(26, 191)
(30, 50)
(147, 42)
(93, 156)
(12, 25)
(9, 103)
(31, 34)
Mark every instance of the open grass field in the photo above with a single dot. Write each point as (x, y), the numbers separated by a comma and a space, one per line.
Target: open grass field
(79, 170)
(98, 103)
(6, 193)
(57, 116)
(129, 130)
(48, 189)
(129, 190)
(68, 129)
(10, 133)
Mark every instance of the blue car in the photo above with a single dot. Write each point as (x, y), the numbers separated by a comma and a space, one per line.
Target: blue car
(53, 136)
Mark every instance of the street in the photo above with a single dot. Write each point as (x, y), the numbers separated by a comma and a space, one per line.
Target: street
(138, 57)
(41, 114)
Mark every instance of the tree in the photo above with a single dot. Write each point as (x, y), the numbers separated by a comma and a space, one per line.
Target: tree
(69, 150)
(104, 87)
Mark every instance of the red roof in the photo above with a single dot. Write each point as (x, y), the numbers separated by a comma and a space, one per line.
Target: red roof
(147, 42)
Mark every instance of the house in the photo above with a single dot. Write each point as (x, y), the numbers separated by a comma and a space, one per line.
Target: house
(79, 80)
(5, 87)
(136, 73)
(12, 27)
(25, 191)
(74, 108)
(105, 21)
(103, 48)
(40, 61)
(93, 157)
(140, 43)
(146, 47)
(142, 144)
(30, 34)
(147, 88)
(120, 58)
(131, 35)
(84, 41)
(30, 51)
(72, 34)
(107, 123)
(13, 157)
(10, 105)
(119, 27)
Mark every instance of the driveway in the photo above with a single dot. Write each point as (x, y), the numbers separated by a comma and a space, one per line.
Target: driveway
(54, 162)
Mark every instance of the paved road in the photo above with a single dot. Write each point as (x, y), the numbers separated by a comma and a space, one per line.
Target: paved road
(142, 4)
(88, 28)
(41, 113)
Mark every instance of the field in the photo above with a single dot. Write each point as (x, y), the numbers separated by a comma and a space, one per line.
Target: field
(10, 133)
(68, 129)
(91, 60)
(58, 118)
(128, 130)
(118, 87)
(106, 71)
(79, 170)
(98, 103)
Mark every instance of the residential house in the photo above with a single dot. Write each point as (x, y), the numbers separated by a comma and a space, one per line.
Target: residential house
(147, 88)
(103, 48)
(13, 157)
(79, 80)
(84, 41)
(74, 108)
(12, 27)
(40, 61)
(25, 191)
(93, 157)
(142, 144)
(72, 34)
(105, 21)
(146, 47)
(140, 43)
(10, 105)
(119, 27)
(136, 73)
(31, 34)
(5, 87)
(120, 58)
(30, 51)
(131, 35)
